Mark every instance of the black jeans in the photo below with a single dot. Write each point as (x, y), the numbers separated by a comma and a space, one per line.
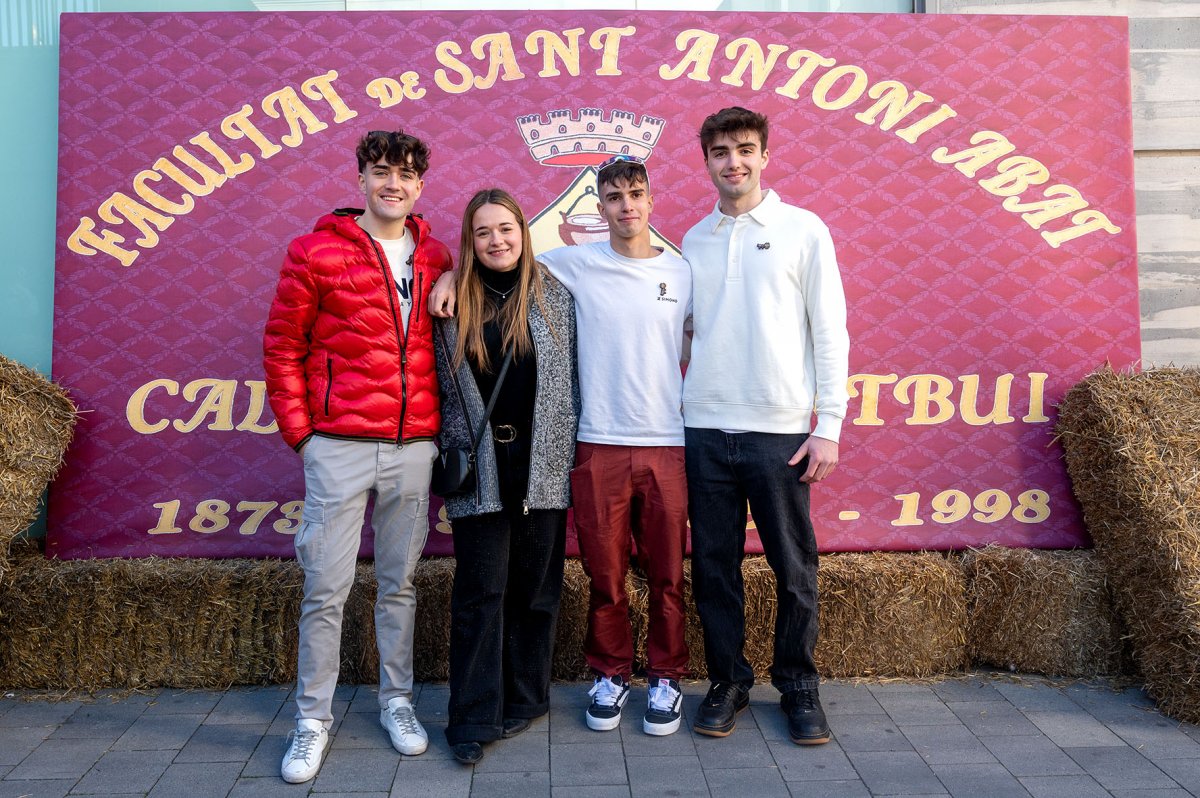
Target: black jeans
(503, 611)
(724, 471)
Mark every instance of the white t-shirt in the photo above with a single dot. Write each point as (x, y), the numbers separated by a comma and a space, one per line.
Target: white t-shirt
(629, 315)
(399, 252)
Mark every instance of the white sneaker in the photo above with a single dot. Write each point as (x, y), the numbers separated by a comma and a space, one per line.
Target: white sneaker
(303, 758)
(663, 703)
(608, 697)
(407, 733)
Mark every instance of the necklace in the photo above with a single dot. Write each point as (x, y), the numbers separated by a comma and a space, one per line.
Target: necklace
(501, 295)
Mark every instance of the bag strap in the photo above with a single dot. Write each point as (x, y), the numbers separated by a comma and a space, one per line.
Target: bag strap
(478, 436)
(491, 402)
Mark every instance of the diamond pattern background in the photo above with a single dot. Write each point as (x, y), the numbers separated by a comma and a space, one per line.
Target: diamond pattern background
(940, 279)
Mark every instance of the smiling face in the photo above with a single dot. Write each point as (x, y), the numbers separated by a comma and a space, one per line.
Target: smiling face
(626, 206)
(391, 191)
(735, 163)
(497, 236)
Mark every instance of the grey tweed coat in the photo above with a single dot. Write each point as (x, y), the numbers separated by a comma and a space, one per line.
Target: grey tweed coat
(555, 409)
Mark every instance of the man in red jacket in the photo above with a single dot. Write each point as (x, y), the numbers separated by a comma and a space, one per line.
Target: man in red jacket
(348, 354)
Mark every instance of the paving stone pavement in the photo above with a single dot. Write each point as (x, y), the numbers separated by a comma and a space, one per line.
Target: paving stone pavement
(980, 736)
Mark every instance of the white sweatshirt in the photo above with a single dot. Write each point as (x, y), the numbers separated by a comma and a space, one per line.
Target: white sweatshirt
(770, 343)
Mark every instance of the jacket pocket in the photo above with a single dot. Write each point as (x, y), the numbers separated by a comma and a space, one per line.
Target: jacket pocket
(328, 382)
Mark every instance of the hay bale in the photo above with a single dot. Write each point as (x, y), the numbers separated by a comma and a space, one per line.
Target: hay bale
(881, 615)
(1047, 612)
(1132, 446)
(891, 615)
(36, 421)
(90, 624)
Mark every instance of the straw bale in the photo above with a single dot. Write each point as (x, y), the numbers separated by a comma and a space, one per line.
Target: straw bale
(1047, 612)
(891, 615)
(1132, 446)
(569, 664)
(89, 624)
(36, 421)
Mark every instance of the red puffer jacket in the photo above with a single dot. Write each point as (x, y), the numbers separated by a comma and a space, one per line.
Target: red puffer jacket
(337, 359)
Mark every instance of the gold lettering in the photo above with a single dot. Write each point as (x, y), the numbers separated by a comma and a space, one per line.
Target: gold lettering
(85, 241)
(990, 145)
(699, 46)
(858, 84)
(968, 403)
(389, 92)
(868, 414)
(608, 41)
(498, 49)
(156, 200)
(320, 87)
(445, 53)
(928, 390)
(749, 55)
(805, 63)
(1060, 201)
(258, 402)
(232, 169)
(1083, 223)
(212, 178)
(135, 408)
(238, 125)
(1014, 175)
(553, 47)
(218, 403)
(922, 126)
(287, 104)
(137, 214)
(892, 102)
(1037, 398)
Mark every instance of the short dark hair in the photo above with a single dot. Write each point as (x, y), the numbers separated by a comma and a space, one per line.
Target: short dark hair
(729, 121)
(630, 172)
(396, 147)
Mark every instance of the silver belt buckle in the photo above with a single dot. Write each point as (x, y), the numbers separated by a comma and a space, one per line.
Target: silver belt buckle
(505, 433)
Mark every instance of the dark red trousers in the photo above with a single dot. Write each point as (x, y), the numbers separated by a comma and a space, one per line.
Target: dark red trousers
(625, 495)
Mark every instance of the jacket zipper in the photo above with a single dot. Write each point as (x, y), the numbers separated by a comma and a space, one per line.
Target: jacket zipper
(329, 383)
(401, 336)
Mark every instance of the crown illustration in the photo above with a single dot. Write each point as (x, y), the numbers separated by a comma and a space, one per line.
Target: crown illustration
(586, 138)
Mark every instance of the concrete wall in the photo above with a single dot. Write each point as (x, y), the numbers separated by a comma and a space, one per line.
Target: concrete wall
(1164, 39)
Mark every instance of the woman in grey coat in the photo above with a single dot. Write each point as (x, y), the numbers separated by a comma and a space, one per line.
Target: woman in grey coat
(509, 532)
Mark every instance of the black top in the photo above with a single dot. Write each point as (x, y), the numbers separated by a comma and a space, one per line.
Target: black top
(514, 405)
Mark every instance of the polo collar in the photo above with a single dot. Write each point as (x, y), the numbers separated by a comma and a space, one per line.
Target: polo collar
(763, 214)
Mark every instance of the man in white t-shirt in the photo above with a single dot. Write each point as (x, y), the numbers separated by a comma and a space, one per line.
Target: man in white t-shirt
(629, 484)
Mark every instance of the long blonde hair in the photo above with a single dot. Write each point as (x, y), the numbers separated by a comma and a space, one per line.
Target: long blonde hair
(474, 310)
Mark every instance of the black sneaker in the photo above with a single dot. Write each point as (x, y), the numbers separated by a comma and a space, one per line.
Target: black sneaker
(718, 712)
(608, 697)
(806, 719)
(663, 702)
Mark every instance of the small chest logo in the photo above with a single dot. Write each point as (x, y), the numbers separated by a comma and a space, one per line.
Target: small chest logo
(662, 294)
(766, 245)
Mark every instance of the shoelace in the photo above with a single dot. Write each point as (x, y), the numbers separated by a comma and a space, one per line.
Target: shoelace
(663, 696)
(808, 700)
(406, 719)
(605, 692)
(302, 744)
(719, 694)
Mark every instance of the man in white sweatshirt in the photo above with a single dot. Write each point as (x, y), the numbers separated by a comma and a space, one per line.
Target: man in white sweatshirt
(770, 350)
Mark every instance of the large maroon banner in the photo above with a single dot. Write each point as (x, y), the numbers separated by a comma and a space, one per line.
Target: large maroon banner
(976, 174)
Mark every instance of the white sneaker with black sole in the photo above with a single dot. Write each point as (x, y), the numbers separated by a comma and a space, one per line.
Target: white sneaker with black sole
(305, 752)
(608, 697)
(663, 704)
